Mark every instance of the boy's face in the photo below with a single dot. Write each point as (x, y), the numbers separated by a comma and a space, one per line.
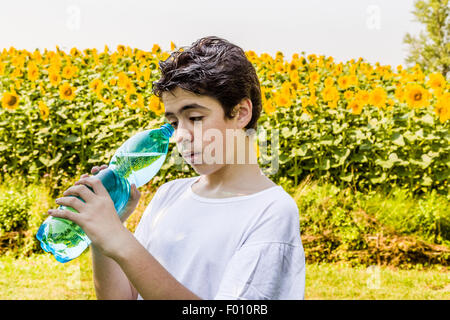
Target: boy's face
(200, 128)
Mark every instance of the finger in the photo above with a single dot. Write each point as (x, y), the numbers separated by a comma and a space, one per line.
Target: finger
(94, 169)
(135, 194)
(96, 184)
(72, 202)
(65, 214)
(104, 166)
(84, 175)
(80, 190)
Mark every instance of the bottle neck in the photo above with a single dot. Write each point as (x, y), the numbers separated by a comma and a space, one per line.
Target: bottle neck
(167, 130)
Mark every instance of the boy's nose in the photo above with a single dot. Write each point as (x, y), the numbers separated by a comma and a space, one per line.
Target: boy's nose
(182, 135)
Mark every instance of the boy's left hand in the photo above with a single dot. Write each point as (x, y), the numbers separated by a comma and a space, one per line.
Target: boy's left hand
(97, 216)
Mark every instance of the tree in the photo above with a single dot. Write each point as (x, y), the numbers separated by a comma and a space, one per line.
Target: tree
(431, 50)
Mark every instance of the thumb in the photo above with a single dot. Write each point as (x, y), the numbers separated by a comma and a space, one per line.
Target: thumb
(135, 194)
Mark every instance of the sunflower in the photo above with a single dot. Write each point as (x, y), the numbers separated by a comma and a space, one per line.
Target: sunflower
(436, 81)
(67, 92)
(172, 46)
(10, 100)
(269, 107)
(416, 96)
(330, 93)
(156, 105)
(353, 80)
(343, 82)
(121, 49)
(279, 67)
(118, 104)
(156, 49)
(54, 78)
(74, 52)
(400, 93)
(293, 66)
(356, 106)
(43, 109)
(332, 104)
(362, 96)
(378, 97)
(96, 85)
(33, 72)
(293, 76)
(313, 100)
(348, 95)
(69, 72)
(442, 107)
(314, 77)
(305, 102)
(329, 81)
(283, 100)
(129, 87)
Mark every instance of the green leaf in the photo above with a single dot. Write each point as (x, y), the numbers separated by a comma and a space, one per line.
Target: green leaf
(426, 161)
(300, 151)
(325, 165)
(285, 132)
(397, 139)
(378, 179)
(346, 177)
(428, 119)
(72, 139)
(341, 156)
(50, 162)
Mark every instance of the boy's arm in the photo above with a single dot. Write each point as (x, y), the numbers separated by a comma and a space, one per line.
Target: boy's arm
(110, 281)
(146, 274)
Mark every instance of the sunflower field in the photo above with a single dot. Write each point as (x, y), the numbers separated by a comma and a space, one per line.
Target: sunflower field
(352, 122)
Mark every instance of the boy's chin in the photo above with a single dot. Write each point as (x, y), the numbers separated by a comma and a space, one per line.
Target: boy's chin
(205, 169)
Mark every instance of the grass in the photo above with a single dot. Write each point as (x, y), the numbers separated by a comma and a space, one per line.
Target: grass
(351, 218)
(42, 277)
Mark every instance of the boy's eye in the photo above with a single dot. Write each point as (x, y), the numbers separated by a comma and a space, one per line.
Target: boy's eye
(174, 124)
(195, 118)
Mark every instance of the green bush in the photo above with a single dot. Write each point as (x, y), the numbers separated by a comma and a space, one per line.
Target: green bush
(23, 208)
(14, 207)
(369, 228)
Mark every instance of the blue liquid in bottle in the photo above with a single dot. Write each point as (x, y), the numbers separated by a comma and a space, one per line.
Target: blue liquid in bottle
(136, 161)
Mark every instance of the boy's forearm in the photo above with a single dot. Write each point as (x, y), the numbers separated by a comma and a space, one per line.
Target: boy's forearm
(147, 275)
(110, 281)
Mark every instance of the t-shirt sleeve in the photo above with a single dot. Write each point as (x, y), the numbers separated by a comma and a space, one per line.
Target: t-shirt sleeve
(272, 269)
(266, 271)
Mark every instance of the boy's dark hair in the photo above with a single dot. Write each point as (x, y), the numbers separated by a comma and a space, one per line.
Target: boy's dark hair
(214, 67)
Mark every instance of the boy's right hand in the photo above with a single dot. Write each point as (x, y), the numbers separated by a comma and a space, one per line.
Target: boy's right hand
(134, 194)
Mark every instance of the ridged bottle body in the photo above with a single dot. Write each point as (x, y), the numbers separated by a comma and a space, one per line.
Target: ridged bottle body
(137, 161)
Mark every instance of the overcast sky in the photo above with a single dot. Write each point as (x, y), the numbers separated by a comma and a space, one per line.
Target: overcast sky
(346, 29)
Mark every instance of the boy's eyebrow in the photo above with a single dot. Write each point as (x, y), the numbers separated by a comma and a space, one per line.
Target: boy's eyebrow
(186, 107)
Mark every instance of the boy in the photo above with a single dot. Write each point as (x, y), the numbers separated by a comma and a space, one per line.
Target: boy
(229, 233)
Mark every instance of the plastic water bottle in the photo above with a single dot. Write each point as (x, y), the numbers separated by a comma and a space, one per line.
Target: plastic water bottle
(136, 161)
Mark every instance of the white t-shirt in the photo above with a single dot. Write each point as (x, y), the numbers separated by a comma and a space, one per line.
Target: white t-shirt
(244, 247)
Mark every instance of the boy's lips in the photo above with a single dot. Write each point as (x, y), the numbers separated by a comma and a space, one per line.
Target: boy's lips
(190, 154)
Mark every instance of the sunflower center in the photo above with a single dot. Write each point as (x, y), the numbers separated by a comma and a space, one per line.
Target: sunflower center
(12, 101)
(418, 96)
(68, 92)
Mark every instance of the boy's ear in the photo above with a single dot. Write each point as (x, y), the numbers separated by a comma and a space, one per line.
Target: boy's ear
(244, 112)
